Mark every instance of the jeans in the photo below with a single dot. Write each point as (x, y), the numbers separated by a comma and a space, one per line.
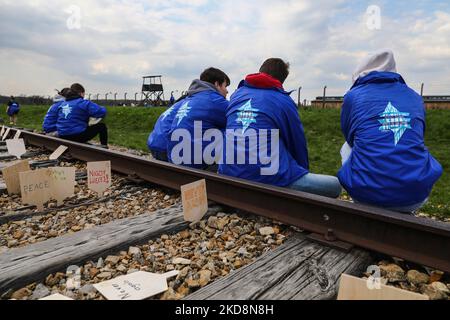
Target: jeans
(406, 209)
(90, 133)
(319, 184)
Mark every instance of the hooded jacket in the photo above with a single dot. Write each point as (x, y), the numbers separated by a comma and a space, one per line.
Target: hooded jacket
(383, 120)
(51, 118)
(261, 103)
(159, 138)
(13, 108)
(204, 103)
(74, 114)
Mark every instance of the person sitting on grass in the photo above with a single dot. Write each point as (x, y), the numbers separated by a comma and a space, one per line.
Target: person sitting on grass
(13, 110)
(75, 114)
(158, 140)
(51, 118)
(266, 124)
(386, 162)
(205, 104)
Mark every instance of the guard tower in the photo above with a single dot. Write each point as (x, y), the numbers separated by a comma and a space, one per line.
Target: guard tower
(152, 91)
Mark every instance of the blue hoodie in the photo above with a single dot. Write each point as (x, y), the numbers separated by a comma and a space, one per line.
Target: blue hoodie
(74, 114)
(159, 138)
(13, 108)
(203, 103)
(261, 103)
(383, 120)
(51, 118)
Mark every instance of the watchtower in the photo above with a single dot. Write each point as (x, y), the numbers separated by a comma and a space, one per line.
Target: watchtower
(152, 91)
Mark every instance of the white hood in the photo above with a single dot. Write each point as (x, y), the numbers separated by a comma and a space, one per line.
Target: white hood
(381, 61)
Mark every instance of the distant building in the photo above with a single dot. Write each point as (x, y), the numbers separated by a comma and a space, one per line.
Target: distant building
(431, 102)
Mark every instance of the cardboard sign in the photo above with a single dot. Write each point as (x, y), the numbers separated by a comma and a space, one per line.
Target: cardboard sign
(99, 176)
(16, 147)
(6, 134)
(56, 296)
(11, 175)
(2, 131)
(136, 286)
(36, 187)
(63, 183)
(352, 288)
(58, 152)
(17, 135)
(195, 201)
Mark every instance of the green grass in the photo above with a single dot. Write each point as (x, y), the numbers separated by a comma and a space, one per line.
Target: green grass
(130, 127)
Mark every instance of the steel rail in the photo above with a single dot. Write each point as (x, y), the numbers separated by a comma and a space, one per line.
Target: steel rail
(419, 240)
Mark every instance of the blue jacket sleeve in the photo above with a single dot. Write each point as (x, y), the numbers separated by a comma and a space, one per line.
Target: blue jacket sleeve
(50, 119)
(346, 119)
(220, 115)
(96, 111)
(293, 134)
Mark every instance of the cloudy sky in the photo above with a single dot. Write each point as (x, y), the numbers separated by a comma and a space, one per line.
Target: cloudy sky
(109, 45)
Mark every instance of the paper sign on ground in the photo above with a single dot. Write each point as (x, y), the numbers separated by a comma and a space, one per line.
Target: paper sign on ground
(17, 135)
(63, 183)
(352, 288)
(99, 176)
(56, 296)
(195, 201)
(11, 175)
(136, 286)
(16, 147)
(6, 134)
(58, 152)
(35, 187)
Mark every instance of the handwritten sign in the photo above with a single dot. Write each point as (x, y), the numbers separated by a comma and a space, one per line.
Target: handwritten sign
(63, 183)
(16, 147)
(17, 135)
(136, 286)
(11, 175)
(58, 152)
(6, 134)
(352, 288)
(56, 296)
(195, 201)
(35, 187)
(99, 176)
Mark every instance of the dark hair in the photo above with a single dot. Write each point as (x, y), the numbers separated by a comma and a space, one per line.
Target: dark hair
(64, 92)
(77, 88)
(276, 68)
(12, 98)
(213, 75)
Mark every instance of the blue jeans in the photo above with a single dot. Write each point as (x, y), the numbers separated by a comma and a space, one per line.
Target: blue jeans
(319, 184)
(406, 209)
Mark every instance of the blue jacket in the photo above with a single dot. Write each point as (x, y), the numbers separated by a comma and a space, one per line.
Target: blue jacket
(74, 114)
(158, 140)
(51, 118)
(13, 108)
(203, 103)
(384, 122)
(261, 103)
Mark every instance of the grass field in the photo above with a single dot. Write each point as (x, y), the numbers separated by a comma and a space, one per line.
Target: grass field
(130, 127)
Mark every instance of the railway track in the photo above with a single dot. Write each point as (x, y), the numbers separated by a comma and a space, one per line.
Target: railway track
(345, 229)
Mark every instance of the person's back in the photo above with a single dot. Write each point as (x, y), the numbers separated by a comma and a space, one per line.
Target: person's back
(383, 120)
(205, 103)
(260, 103)
(158, 139)
(51, 117)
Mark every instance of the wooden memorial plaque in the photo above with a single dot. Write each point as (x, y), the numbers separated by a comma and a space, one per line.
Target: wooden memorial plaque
(16, 147)
(11, 175)
(99, 176)
(35, 187)
(58, 152)
(17, 135)
(6, 134)
(63, 183)
(195, 201)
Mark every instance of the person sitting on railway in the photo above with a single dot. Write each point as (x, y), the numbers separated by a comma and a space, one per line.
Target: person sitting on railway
(13, 110)
(75, 114)
(383, 122)
(264, 120)
(203, 109)
(51, 118)
(158, 140)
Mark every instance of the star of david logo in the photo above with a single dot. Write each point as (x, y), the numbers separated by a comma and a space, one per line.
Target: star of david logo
(247, 115)
(395, 121)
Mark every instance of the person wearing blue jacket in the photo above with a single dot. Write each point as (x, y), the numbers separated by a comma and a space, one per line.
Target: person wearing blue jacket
(51, 118)
(74, 116)
(13, 110)
(383, 122)
(206, 104)
(259, 106)
(158, 139)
